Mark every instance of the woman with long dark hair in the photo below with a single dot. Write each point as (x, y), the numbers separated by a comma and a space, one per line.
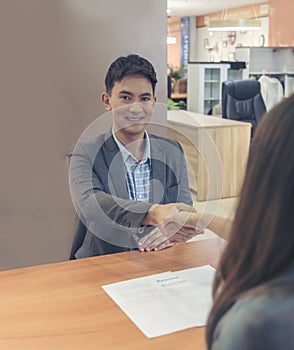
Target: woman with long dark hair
(254, 286)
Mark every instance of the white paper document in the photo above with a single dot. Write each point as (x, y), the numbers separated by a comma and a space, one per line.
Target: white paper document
(166, 302)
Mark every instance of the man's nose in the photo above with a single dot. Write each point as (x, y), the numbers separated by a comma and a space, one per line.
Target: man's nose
(135, 107)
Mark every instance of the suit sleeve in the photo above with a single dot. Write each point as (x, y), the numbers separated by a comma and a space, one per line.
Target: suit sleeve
(93, 203)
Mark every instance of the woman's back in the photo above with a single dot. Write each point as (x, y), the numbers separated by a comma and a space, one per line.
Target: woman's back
(253, 290)
(263, 320)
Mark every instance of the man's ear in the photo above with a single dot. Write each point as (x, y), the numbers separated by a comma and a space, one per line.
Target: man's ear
(153, 103)
(105, 100)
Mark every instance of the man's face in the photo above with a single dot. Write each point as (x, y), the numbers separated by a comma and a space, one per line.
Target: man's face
(132, 103)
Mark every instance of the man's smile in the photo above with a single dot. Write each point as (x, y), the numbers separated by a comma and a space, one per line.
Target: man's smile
(135, 119)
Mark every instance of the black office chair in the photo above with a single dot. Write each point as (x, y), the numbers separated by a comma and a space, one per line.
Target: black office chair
(242, 101)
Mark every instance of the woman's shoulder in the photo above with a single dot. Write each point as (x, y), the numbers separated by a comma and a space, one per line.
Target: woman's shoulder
(258, 321)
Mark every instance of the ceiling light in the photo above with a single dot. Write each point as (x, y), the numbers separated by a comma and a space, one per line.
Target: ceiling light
(226, 24)
(234, 25)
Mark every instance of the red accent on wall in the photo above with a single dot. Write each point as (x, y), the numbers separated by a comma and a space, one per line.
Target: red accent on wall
(281, 24)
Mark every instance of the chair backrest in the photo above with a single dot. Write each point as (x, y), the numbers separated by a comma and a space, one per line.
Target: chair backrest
(81, 230)
(78, 238)
(242, 100)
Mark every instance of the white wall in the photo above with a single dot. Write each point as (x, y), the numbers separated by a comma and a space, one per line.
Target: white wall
(193, 39)
(216, 40)
(54, 55)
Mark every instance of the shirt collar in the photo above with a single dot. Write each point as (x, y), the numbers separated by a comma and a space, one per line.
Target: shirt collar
(126, 154)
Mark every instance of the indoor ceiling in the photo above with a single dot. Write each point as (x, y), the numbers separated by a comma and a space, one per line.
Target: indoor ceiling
(182, 8)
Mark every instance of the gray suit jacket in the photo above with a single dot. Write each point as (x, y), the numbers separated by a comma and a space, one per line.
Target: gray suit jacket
(111, 221)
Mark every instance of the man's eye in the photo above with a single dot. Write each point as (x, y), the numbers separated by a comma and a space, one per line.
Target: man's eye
(145, 99)
(125, 98)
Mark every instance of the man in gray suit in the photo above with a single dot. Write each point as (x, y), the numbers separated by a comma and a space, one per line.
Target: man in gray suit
(127, 181)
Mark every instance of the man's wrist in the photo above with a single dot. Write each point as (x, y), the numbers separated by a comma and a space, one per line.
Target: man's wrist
(150, 217)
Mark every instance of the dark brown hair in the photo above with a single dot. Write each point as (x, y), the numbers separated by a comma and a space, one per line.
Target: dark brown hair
(261, 245)
(129, 65)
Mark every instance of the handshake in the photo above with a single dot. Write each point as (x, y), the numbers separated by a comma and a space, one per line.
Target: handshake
(175, 224)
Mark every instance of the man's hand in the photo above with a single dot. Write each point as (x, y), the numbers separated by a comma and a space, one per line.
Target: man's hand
(158, 213)
(179, 227)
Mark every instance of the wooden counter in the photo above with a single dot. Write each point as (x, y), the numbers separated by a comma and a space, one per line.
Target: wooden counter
(216, 150)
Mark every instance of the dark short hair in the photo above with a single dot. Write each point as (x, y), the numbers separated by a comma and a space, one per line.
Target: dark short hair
(129, 65)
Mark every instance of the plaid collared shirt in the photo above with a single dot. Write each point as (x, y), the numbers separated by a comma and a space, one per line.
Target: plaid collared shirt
(137, 173)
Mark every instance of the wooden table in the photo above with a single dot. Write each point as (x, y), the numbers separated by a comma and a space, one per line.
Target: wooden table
(62, 306)
(202, 138)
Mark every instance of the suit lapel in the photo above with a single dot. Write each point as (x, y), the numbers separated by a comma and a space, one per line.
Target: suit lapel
(158, 171)
(116, 174)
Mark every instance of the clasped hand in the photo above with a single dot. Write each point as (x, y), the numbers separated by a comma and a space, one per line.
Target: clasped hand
(177, 227)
